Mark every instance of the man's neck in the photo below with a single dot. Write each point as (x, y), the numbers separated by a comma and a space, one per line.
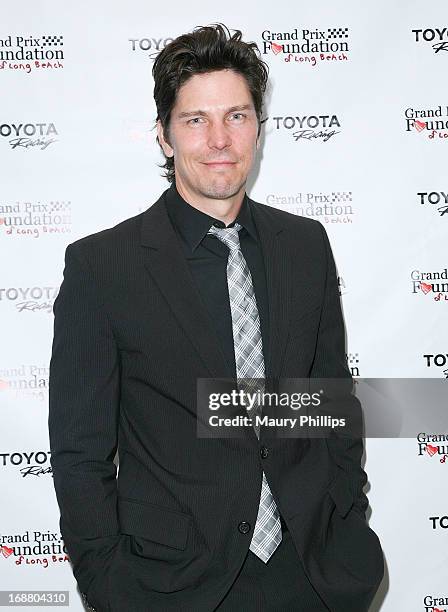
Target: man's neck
(226, 210)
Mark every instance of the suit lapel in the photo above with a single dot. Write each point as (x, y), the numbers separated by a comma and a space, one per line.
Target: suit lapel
(273, 238)
(165, 262)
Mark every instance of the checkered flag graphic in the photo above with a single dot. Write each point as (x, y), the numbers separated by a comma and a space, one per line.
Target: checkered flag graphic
(60, 206)
(341, 196)
(52, 41)
(352, 358)
(337, 33)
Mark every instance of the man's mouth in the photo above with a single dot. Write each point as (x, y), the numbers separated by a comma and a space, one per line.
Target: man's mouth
(218, 164)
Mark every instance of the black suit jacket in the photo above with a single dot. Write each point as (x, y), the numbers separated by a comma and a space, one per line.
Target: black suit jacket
(131, 337)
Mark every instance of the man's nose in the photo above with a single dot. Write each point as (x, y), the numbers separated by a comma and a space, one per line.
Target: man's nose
(218, 136)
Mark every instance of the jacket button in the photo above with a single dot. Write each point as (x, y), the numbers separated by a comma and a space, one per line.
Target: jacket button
(264, 452)
(244, 527)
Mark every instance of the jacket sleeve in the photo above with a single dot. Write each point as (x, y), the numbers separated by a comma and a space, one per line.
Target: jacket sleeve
(84, 393)
(330, 362)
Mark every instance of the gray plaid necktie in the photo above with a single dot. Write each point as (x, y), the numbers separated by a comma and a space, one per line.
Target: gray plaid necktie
(249, 362)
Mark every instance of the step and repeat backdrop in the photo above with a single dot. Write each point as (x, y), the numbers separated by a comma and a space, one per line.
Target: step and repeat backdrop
(356, 136)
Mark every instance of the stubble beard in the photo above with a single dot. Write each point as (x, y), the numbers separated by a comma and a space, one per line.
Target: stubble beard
(218, 191)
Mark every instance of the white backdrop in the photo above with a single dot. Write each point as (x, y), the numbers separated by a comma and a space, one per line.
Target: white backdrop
(350, 139)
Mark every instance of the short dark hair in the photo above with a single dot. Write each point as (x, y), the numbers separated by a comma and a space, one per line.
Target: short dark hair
(205, 49)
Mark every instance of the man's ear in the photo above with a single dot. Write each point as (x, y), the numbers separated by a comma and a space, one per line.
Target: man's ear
(166, 147)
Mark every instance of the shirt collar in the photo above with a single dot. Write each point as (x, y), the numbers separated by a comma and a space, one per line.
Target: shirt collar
(194, 224)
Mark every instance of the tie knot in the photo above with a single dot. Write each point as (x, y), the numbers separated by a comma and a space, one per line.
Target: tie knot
(228, 235)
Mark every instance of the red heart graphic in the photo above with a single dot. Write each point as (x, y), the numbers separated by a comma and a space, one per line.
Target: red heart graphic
(419, 125)
(425, 287)
(276, 48)
(431, 450)
(6, 551)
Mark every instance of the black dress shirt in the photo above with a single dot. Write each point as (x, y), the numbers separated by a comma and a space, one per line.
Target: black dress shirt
(207, 259)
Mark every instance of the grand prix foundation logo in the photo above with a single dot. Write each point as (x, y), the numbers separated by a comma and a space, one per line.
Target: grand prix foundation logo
(307, 46)
(431, 284)
(33, 548)
(430, 122)
(30, 53)
(35, 219)
(353, 363)
(329, 207)
(27, 381)
(433, 445)
(433, 604)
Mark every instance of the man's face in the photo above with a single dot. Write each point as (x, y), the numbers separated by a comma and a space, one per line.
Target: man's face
(212, 135)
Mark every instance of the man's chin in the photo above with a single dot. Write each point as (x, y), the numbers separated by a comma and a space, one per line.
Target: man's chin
(221, 192)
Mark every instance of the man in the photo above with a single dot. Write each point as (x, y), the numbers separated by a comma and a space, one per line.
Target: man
(206, 283)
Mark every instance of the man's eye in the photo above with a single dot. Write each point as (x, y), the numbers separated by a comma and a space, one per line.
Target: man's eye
(195, 120)
(237, 116)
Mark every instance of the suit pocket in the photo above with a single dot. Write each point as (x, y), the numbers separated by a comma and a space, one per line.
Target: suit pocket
(349, 543)
(160, 549)
(149, 523)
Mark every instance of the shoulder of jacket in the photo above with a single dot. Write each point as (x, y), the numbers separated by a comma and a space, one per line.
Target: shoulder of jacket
(120, 232)
(289, 219)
